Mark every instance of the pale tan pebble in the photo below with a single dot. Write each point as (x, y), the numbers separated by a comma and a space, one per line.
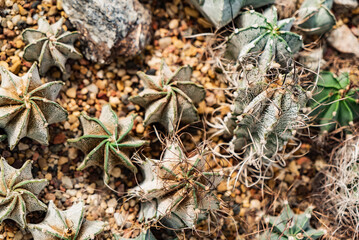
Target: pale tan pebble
(91, 188)
(114, 101)
(103, 205)
(72, 192)
(112, 203)
(10, 234)
(255, 203)
(9, 3)
(132, 202)
(131, 217)
(140, 128)
(48, 176)
(293, 168)
(289, 178)
(22, 146)
(92, 88)
(110, 75)
(126, 206)
(71, 92)
(15, 19)
(63, 160)
(72, 118)
(122, 72)
(101, 84)
(84, 91)
(18, 236)
(173, 24)
(116, 172)
(164, 42)
(222, 187)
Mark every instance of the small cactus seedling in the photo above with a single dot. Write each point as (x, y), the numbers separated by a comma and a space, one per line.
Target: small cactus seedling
(177, 190)
(169, 98)
(50, 45)
(66, 225)
(315, 16)
(106, 141)
(27, 106)
(264, 34)
(18, 193)
(222, 12)
(335, 101)
(145, 235)
(290, 226)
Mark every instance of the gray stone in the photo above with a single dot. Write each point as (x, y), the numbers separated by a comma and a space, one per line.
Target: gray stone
(343, 40)
(347, 3)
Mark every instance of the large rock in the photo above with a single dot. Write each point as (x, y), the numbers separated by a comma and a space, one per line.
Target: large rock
(344, 40)
(110, 27)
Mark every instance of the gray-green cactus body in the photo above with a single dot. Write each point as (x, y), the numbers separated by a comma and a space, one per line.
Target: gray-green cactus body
(222, 12)
(290, 226)
(106, 141)
(264, 35)
(49, 45)
(27, 106)
(177, 190)
(18, 193)
(315, 16)
(66, 225)
(169, 99)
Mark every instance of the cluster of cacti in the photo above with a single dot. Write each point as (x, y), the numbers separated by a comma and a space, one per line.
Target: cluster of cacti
(49, 45)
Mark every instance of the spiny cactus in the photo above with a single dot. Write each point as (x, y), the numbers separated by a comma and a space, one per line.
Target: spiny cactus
(145, 235)
(50, 45)
(315, 16)
(18, 192)
(27, 106)
(106, 141)
(335, 101)
(177, 189)
(265, 35)
(169, 98)
(290, 226)
(222, 12)
(66, 225)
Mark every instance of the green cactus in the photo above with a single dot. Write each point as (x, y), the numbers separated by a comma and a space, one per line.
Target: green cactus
(177, 190)
(315, 17)
(66, 225)
(49, 45)
(145, 235)
(290, 226)
(335, 101)
(265, 35)
(27, 106)
(222, 12)
(18, 193)
(169, 98)
(106, 141)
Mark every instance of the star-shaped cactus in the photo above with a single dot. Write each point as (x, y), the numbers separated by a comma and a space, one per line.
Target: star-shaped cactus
(178, 189)
(106, 141)
(27, 106)
(49, 45)
(264, 35)
(66, 225)
(169, 98)
(18, 192)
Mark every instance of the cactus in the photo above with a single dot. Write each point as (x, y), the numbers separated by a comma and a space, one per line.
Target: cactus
(50, 45)
(145, 235)
(222, 12)
(169, 98)
(18, 193)
(264, 34)
(66, 225)
(335, 101)
(28, 106)
(106, 142)
(290, 226)
(315, 16)
(176, 189)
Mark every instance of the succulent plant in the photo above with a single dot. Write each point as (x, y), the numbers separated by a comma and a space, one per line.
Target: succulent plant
(66, 225)
(290, 226)
(50, 45)
(169, 98)
(178, 190)
(18, 192)
(315, 16)
(106, 141)
(335, 101)
(222, 12)
(145, 235)
(265, 35)
(27, 106)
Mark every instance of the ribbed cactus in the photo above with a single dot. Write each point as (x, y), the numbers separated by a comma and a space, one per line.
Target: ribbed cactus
(18, 193)
(315, 17)
(106, 141)
(335, 101)
(27, 106)
(49, 45)
(290, 226)
(177, 189)
(169, 98)
(264, 35)
(66, 225)
(222, 12)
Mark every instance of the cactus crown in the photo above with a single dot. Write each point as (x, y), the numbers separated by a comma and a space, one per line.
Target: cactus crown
(106, 141)
(27, 106)
(169, 98)
(335, 101)
(18, 192)
(50, 45)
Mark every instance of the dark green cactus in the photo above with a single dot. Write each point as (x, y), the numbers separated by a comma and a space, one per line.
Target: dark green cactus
(335, 101)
